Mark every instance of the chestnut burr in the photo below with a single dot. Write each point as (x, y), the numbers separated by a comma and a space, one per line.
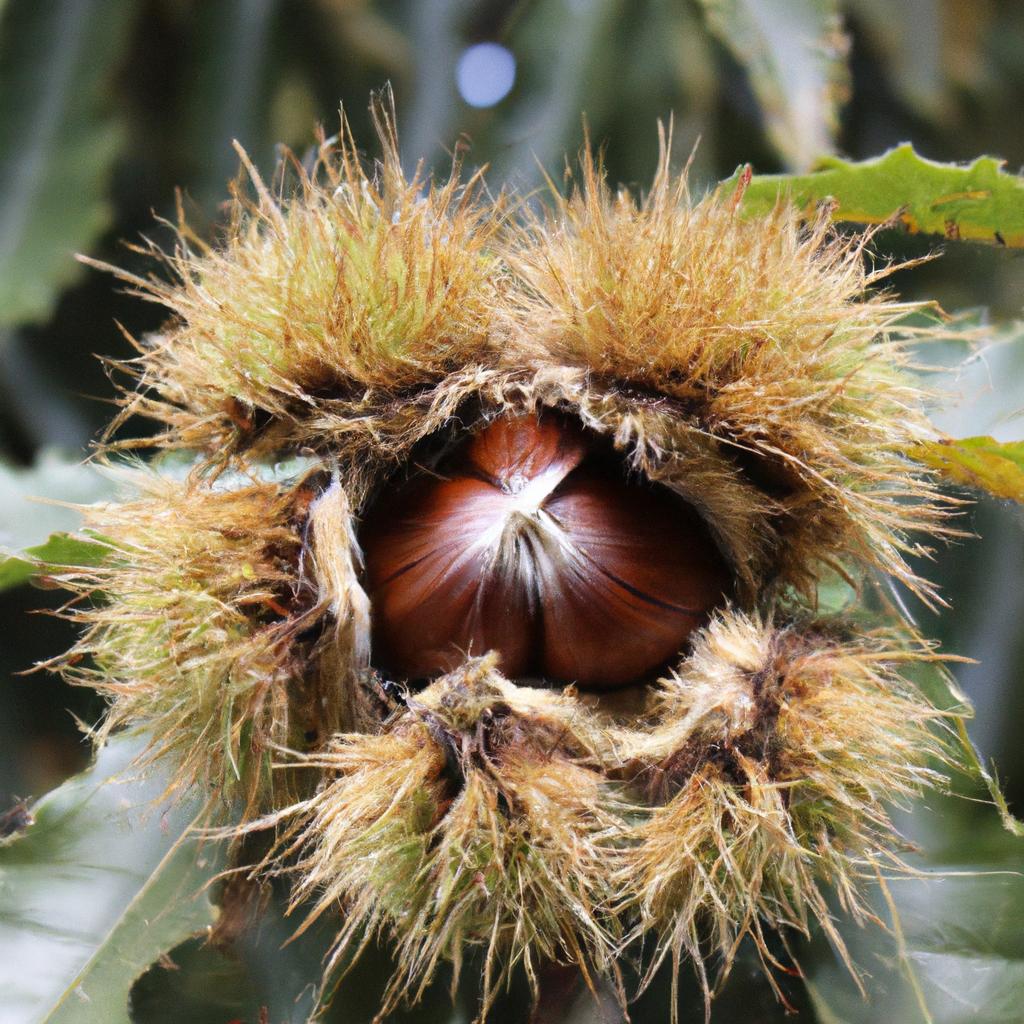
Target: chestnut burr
(531, 541)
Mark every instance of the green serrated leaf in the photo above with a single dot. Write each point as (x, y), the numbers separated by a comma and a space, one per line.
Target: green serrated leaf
(61, 551)
(36, 504)
(793, 52)
(94, 890)
(979, 462)
(57, 143)
(978, 201)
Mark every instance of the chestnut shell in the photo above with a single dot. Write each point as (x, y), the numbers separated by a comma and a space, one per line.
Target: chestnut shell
(531, 541)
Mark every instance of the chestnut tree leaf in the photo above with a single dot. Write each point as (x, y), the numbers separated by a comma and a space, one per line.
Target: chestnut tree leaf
(102, 881)
(794, 55)
(61, 551)
(39, 513)
(268, 970)
(978, 201)
(57, 139)
(956, 955)
(978, 462)
(38, 517)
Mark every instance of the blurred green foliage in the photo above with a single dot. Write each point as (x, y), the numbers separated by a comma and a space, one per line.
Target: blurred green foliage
(108, 106)
(91, 895)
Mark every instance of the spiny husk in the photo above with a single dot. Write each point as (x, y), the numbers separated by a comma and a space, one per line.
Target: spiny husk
(738, 361)
(192, 627)
(357, 286)
(778, 752)
(476, 820)
(756, 332)
(369, 319)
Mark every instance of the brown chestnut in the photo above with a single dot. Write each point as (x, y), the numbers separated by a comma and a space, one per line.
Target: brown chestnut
(531, 541)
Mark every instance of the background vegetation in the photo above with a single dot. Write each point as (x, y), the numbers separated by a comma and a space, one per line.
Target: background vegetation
(107, 106)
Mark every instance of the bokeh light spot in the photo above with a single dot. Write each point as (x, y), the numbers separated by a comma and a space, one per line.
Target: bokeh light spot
(485, 74)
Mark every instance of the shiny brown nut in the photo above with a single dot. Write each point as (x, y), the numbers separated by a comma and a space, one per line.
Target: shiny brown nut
(532, 542)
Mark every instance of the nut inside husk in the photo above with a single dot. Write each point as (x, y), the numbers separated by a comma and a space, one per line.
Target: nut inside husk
(530, 540)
